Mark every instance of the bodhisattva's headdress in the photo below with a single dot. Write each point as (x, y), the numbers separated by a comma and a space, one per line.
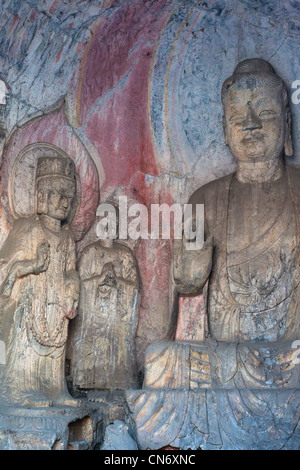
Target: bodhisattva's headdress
(51, 167)
(49, 173)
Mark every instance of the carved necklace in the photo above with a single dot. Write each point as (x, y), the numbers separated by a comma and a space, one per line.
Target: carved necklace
(41, 333)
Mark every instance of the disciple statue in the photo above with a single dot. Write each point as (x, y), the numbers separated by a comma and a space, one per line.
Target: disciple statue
(246, 380)
(39, 292)
(103, 334)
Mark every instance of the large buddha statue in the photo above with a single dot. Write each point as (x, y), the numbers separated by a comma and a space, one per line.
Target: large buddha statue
(239, 388)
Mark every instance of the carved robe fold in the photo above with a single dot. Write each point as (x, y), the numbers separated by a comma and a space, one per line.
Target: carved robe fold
(253, 290)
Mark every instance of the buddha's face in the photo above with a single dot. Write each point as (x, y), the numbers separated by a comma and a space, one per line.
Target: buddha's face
(59, 200)
(255, 123)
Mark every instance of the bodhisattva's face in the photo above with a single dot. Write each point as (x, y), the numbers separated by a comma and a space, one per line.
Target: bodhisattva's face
(255, 123)
(60, 199)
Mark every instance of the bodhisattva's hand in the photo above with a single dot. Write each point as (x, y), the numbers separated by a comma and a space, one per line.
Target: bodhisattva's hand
(108, 275)
(191, 268)
(24, 267)
(72, 294)
(7, 286)
(43, 256)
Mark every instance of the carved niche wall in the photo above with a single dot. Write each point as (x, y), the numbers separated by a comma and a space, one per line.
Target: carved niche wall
(130, 91)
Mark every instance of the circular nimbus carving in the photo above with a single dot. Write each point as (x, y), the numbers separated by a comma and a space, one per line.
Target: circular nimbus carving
(22, 187)
(198, 49)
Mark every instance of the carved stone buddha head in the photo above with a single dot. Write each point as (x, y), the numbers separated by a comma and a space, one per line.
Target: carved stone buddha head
(256, 113)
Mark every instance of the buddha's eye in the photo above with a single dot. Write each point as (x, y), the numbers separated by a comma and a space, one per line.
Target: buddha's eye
(236, 118)
(267, 112)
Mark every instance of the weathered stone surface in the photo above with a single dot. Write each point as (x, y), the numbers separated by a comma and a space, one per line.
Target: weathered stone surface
(110, 57)
(142, 85)
(217, 419)
(41, 46)
(49, 428)
(198, 48)
(117, 437)
(249, 270)
(39, 284)
(32, 139)
(211, 364)
(103, 354)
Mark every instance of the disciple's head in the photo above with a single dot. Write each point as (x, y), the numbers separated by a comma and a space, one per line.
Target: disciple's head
(257, 120)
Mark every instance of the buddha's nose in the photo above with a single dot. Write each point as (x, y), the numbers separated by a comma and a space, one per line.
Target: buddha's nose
(252, 120)
(65, 202)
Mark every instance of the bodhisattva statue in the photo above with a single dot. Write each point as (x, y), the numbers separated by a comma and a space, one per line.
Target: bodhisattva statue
(103, 334)
(249, 271)
(40, 291)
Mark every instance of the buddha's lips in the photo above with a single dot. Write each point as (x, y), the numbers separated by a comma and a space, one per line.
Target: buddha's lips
(253, 138)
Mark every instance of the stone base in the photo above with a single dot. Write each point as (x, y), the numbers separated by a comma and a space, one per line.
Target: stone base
(113, 403)
(53, 428)
(217, 419)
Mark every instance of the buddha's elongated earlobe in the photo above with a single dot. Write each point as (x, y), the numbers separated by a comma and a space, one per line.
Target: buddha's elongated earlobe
(288, 142)
(225, 129)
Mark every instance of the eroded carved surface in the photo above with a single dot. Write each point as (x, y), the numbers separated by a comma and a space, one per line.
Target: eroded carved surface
(249, 265)
(51, 428)
(39, 290)
(217, 419)
(103, 339)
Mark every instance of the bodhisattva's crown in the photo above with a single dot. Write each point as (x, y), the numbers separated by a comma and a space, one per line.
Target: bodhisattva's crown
(55, 166)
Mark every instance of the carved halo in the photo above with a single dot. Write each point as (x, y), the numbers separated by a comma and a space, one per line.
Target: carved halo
(22, 187)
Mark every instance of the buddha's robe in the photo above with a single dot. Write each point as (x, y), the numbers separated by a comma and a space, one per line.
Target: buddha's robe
(253, 294)
(241, 387)
(253, 288)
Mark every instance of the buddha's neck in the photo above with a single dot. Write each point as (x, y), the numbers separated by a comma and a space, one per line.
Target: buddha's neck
(107, 242)
(50, 223)
(260, 172)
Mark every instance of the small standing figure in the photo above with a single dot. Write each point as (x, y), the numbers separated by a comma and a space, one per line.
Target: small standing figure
(40, 290)
(104, 355)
